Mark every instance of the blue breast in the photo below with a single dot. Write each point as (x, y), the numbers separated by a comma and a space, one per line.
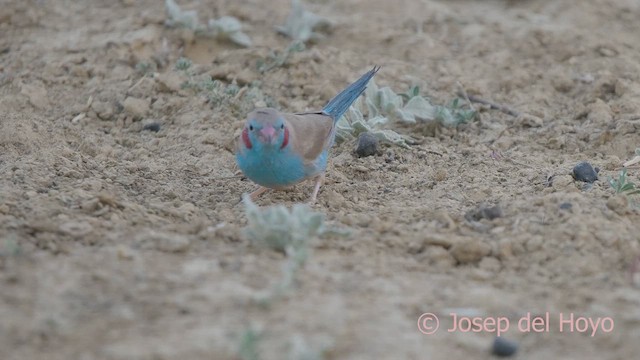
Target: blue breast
(272, 167)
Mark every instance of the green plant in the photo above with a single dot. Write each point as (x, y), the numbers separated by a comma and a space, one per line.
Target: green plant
(279, 58)
(383, 106)
(301, 24)
(454, 114)
(623, 185)
(145, 68)
(11, 247)
(284, 230)
(281, 229)
(353, 123)
(183, 64)
(219, 93)
(301, 350)
(248, 349)
(226, 27)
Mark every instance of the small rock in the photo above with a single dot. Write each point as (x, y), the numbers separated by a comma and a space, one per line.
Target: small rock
(503, 347)
(136, 107)
(367, 145)
(154, 126)
(566, 206)
(585, 172)
(484, 212)
(469, 251)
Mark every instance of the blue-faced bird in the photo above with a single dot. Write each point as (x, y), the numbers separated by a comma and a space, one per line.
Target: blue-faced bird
(278, 150)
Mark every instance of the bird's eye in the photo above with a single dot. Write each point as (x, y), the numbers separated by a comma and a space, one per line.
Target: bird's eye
(251, 127)
(281, 126)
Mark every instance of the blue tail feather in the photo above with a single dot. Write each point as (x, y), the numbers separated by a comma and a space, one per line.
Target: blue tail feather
(341, 102)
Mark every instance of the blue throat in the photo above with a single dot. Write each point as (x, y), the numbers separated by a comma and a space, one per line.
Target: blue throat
(271, 166)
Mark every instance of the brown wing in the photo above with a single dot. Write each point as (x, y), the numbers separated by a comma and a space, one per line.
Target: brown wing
(309, 134)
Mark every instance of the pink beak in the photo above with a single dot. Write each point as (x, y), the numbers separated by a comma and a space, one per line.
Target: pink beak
(268, 133)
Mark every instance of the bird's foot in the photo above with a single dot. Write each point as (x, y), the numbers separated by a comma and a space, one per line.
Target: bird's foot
(319, 180)
(259, 191)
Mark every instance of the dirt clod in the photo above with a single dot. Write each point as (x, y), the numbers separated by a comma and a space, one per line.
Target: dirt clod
(136, 107)
(367, 145)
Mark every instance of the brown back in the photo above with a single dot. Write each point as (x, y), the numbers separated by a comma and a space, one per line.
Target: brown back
(309, 134)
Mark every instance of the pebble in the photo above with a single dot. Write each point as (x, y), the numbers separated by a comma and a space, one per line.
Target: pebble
(367, 145)
(566, 206)
(154, 126)
(585, 172)
(503, 347)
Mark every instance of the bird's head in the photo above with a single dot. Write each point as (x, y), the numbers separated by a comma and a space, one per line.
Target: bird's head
(266, 128)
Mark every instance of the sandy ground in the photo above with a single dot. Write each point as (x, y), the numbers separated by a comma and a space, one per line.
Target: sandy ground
(122, 243)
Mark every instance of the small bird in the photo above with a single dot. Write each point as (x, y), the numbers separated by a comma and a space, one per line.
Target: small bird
(277, 150)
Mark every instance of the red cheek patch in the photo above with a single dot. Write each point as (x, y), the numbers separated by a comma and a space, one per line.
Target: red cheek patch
(285, 141)
(245, 139)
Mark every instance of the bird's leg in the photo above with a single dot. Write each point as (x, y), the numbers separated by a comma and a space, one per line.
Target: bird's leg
(259, 191)
(319, 180)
